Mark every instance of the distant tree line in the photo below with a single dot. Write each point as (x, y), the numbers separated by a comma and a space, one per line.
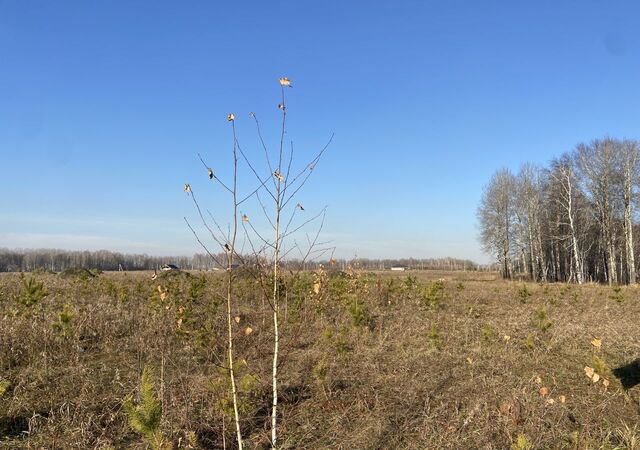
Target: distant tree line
(410, 263)
(573, 221)
(27, 260)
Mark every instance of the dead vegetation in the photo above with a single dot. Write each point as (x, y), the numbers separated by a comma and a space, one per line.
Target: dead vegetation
(369, 361)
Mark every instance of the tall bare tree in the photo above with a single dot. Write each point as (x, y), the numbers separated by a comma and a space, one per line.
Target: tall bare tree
(630, 158)
(566, 196)
(496, 215)
(530, 182)
(598, 163)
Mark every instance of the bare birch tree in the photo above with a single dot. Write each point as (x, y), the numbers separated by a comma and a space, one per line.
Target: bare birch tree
(597, 164)
(496, 215)
(565, 195)
(630, 157)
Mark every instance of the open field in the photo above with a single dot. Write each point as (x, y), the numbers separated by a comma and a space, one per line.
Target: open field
(416, 360)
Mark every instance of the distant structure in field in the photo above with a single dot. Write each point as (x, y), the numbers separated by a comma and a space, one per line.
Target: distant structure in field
(399, 268)
(170, 267)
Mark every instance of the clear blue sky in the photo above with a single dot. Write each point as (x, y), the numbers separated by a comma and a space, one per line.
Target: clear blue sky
(104, 106)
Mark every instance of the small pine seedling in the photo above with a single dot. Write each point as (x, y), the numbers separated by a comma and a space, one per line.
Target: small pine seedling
(522, 443)
(145, 417)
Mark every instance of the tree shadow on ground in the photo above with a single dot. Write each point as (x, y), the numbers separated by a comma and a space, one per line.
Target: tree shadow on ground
(629, 374)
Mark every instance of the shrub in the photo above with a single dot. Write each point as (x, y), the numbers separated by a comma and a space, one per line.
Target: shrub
(32, 293)
(145, 416)
(196, 288)
(435, 336)
(487, 333)
(434, 294)
(617, 294)
(530, 342)
(77, 272)
(524, 293)
(541, 320)
(359, 314)
(4, 386)
(320, 372)
(64, 324)
(522, 443)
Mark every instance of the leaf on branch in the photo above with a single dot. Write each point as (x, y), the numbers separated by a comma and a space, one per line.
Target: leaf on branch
(284, 81)
(187, 188)
(210, 172)
(278, 176)
(245, 218)
(281, 106)
(312, 166)
(252, 114)
(231, 117)
(300, 206)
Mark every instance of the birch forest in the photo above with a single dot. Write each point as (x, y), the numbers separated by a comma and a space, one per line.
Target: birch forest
(572, 221)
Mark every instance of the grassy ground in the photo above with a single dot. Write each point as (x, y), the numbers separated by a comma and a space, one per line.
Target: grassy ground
(419, 360)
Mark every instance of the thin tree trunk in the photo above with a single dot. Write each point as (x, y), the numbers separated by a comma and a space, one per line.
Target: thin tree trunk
(230, 253)
(628, 227)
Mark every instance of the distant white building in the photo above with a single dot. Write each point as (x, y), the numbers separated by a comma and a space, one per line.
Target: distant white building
(399, 268)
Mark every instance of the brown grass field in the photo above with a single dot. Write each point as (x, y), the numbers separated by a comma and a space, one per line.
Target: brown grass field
(373, 361)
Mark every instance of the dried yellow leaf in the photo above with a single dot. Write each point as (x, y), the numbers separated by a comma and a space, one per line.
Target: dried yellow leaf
(187, 188)
(248, 331)
(284, 81)
(237, 319)
(595, 378)
(589, 371)
(597, 343)
(231, 117)
(544, 391)
(562, 399)
(245, 218)
(506, 338)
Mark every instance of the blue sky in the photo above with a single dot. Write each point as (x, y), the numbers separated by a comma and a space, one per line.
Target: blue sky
(105, 105)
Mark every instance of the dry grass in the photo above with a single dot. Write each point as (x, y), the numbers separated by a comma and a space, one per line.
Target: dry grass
(375, 361)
